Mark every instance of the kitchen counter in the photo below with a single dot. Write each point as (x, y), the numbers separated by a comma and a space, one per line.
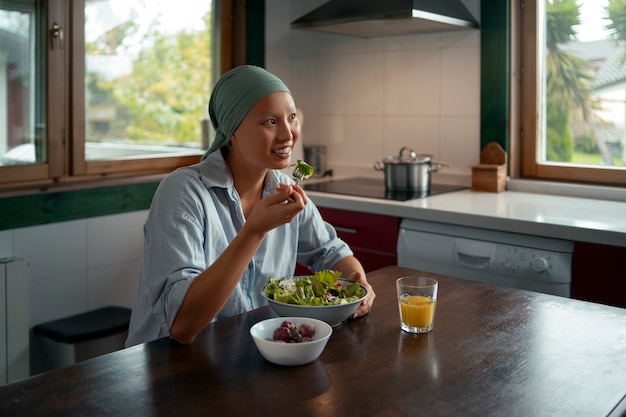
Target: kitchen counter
(568, 218)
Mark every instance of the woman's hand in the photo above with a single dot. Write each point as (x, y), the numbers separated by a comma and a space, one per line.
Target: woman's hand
(368, 302)
(277, 209)
(352, 268)
(291, 189)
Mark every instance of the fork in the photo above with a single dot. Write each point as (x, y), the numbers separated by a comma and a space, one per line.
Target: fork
(301, 172)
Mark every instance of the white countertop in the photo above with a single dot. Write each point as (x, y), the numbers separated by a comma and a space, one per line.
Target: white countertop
(568, 218)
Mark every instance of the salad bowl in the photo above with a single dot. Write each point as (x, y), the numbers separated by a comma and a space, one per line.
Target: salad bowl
(333, 314)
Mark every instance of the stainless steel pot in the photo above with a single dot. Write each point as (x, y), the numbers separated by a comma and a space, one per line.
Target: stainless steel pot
(408, 171)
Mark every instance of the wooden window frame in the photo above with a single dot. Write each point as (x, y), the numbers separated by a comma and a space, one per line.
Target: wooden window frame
(525, 41)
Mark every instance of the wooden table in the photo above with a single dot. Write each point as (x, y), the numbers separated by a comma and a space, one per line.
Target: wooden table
(493, 352)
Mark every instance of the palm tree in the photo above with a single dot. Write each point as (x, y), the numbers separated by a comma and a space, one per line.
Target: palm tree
(616, 10)
(568, 78)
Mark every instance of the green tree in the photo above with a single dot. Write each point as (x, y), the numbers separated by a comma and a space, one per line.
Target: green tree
(567, 80)
(616, 10)
(560, 144)
(165, 97)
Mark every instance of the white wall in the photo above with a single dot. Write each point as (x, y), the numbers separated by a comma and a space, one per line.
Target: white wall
(79, 265)
(366, 98)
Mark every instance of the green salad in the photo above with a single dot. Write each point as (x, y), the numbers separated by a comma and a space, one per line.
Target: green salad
(302, 170)
(320, 289)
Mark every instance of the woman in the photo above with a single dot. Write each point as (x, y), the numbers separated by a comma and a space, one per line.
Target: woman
(219, 229)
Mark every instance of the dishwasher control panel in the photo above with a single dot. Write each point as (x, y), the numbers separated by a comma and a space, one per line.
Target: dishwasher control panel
(510, 259)
(532, 263)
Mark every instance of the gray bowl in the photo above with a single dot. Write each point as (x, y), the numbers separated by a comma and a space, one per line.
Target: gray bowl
(333, 315)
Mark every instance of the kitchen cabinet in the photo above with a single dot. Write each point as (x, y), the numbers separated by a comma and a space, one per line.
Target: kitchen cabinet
(372, 237)
(598, 274)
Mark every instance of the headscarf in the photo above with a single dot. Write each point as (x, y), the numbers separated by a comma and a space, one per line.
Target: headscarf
(234, 95)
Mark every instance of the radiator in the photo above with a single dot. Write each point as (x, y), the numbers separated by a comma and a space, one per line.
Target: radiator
(14, 337)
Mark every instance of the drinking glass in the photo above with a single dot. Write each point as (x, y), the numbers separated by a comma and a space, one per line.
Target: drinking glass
(417, 299)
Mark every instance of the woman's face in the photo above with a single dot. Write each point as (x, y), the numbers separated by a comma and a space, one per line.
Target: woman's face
(267, 134)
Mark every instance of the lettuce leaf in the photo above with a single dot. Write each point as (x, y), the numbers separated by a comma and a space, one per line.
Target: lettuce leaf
(319, 289)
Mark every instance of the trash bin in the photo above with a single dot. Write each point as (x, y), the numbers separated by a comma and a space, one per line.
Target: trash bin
(83, 336)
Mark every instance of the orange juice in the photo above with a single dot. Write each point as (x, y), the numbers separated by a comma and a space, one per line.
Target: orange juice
(417, 311)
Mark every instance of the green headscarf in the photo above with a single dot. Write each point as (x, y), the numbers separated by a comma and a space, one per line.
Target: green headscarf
(234, 95)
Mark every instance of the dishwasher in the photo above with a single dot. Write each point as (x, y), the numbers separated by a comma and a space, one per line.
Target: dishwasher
(515, 260)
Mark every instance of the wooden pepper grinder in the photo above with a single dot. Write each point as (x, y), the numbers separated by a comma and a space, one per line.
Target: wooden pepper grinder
(490, 174)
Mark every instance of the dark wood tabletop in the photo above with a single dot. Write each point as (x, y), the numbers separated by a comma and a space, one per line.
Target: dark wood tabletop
(493, 351)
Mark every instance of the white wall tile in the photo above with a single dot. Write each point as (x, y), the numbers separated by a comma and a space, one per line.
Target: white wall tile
(281, 67)
(310, 80)
(113, 284)
(420, 133)
(57, 297)
(322, 129)
(460, 143)
(356, 86)
(360, 143)
(460, 81)
(412, 82)
(348, 45)
(53, 249)
(277, 37)
(412, 42)
(115, 238)
(460, 39)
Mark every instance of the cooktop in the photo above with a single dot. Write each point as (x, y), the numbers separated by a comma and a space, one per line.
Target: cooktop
(375, 188)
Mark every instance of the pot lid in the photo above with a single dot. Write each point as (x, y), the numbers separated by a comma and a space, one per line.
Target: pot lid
(408, 156)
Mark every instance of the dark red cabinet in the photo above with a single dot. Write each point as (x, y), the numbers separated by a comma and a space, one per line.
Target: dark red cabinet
(372, 237)
(599, 274)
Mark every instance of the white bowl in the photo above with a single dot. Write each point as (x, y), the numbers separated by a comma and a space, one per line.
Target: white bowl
(290, 354)
(333, 315)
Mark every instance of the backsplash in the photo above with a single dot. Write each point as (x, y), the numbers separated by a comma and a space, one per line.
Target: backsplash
(366, 98)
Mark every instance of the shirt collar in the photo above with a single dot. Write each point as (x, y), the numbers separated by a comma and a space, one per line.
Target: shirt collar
(215, 171)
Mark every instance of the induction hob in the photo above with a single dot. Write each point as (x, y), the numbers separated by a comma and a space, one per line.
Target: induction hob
(375, 188)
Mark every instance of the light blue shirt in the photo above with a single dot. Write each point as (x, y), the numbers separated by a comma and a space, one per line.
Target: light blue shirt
(195, 213)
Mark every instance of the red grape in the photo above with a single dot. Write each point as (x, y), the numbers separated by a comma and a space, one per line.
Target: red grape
(290, 332)
(306, 330)
(282, 334)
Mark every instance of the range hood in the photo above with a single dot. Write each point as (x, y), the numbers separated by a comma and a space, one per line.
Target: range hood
(373, 18)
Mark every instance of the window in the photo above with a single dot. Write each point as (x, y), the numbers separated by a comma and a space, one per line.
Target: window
(573, 91)
(93, 89)
(22, 88)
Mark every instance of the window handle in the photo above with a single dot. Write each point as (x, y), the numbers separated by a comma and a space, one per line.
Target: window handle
(57, 33)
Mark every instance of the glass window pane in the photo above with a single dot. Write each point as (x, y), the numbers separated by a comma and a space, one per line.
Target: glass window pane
(147, 76)
(22, 123)
(584, 68)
